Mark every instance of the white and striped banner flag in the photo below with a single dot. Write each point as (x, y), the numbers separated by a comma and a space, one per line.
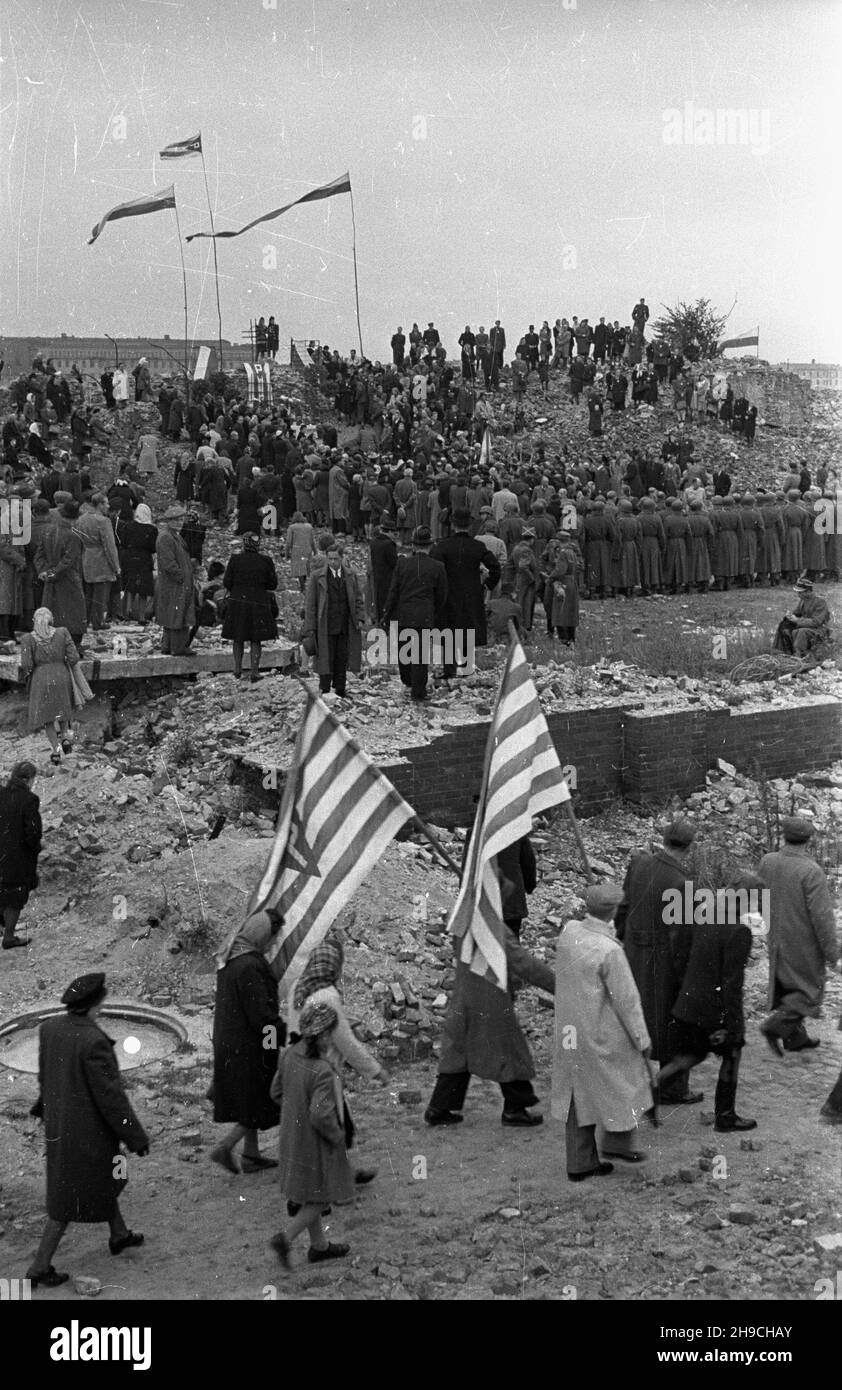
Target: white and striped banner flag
(315, 195)
(258, 383)
(153, 202)
(337, 816)
(182, 149)
(523, 777)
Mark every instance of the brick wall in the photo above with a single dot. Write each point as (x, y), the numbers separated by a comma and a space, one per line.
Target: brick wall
(617, 751)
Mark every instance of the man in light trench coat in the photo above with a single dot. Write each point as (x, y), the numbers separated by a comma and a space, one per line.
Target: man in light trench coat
(802, 938)
(601, 1043)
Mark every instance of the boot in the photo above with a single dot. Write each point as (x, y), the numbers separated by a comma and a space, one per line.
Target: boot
(799, 1040)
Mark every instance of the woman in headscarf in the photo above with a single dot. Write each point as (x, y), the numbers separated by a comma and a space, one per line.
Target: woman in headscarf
(47, 654)
(185, 477)
(320, 984)
(137, 540)
(247, 1034)
(314, 1168)
(251, 582)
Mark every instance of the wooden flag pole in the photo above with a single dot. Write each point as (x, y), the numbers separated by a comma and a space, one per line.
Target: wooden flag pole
(184, 282)
(356, 280)
(439, 848)
(213, 243)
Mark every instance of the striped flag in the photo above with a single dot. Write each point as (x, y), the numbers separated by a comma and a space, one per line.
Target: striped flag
(327, 190)
(155, 202)
(744, 340)
(337, 816)
(259, 383)
(523, 776)
(183, 149)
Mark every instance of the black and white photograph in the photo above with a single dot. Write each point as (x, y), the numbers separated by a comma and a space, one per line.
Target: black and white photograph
(421, 665)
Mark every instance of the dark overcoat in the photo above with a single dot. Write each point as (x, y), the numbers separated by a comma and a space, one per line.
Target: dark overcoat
(315, 619)
(60, 553)
(250, 579)
(481, 1033)
(464, 607)
(245, 1020)
(20, 836)
(87, 1116)
(657, 950)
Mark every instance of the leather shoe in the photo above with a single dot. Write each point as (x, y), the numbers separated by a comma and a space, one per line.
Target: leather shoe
(521, 1119)
(15, 941)
(830, 1117)
(333, 1251)
(601, 1172)
(50, 1278)
(634, 1157)
(804, 1044)
(256, 1165)
(691, 1098)
(726, 1124)
(443, 1117)
(364, 1175)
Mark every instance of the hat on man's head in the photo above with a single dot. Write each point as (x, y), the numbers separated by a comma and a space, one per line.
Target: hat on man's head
(804, 586)
(679, 833)
(461, 517)
(85, 991)
(603, 897)
(797, 830)
(174, 513)
(422, 535)
(326, 541)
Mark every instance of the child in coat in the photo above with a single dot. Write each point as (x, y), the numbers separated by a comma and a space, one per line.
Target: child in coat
(313, 1169)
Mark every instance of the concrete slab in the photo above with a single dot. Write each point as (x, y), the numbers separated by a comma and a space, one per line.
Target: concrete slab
(280, 655)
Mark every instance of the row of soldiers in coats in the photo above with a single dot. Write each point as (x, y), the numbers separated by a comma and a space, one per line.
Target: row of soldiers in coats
(677, 545)
(644, 977)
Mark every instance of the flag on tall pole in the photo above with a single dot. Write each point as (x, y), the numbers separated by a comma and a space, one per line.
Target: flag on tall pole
(154, 202)
(744, 340)
(182, 149)
(522, 777)
(327, 190)
(337, 816)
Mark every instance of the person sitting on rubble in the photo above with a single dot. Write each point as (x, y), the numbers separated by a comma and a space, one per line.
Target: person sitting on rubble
(807, 627)
(500, 610)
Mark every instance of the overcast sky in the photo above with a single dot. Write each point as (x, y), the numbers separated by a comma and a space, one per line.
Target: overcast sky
(509, 161)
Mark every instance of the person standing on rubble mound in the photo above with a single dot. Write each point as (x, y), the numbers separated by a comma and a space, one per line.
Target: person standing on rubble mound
(802, 938)
(175, 605)
(656, 945)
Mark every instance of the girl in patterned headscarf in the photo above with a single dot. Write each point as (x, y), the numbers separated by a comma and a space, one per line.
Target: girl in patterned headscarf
(319, 984)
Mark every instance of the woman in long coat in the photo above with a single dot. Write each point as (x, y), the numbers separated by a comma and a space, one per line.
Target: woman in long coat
(20, 845)
(248, 509)
(47, 654)
(247, 1035)
(12, 568)
(321, 496)
(87, 1117)
(175, 603)
(251, 581)
(138, 541)
(58, 562)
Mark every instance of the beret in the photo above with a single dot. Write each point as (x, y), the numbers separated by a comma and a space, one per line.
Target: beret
(84, 991)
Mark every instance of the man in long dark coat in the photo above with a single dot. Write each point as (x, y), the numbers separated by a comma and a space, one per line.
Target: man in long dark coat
(462, 557)
(87, 1116)
(383, 556)
(802, 937)
(416, 599)
(600, 536)
(653, 928)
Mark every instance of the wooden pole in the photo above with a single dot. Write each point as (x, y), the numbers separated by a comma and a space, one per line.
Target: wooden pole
(184, 282)
(571, 815)
(356, 279)
(440, 850)
(215, 261)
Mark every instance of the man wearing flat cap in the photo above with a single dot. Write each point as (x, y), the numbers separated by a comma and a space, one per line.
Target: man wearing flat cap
(802, 937)
(175, 606)
(600, 1076)
(658, 947)
(415, 602)
(87, 1117)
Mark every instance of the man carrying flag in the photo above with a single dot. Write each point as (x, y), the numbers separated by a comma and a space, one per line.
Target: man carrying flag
(482, 1036)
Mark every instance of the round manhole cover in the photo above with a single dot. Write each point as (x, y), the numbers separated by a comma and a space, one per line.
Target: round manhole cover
(140, 1034)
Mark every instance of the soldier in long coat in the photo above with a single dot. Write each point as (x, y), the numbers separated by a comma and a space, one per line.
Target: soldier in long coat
(751, 539)
(677, 535)
(653, 927)
(814, 538)
(802, 937)
(652, 547)
(600, 534)
(175, 606)
(699, 547)
(87, 1117)
(774, 532)
(726, 546)
(796, 522)
(627, 549)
